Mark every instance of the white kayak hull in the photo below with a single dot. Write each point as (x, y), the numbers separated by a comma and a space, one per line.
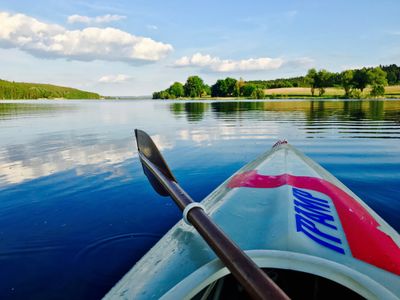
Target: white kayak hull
(286, 212)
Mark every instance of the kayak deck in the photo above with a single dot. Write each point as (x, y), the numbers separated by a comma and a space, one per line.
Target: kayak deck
(286, 212)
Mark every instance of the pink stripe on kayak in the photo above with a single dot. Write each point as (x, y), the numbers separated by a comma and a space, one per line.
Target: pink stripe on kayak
(366, 241)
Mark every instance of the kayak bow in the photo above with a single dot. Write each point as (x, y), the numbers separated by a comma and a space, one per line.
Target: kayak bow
(295, 220)
(252, 278)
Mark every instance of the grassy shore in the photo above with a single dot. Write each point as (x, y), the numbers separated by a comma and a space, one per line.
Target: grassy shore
(299, 92)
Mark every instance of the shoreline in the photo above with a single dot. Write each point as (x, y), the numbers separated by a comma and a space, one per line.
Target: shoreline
(392, 92)
(286, 97)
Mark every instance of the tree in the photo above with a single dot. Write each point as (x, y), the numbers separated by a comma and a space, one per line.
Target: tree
(239, 85)
(318, 80)
(176, 90)
(346, 80)
(156, 95)
(311, 79)
(230, 86)
(392, 78)
(162, 95)
(224, 88)
(258, 94)
(219, 89)
(377, 78)
(206, 90)
(360, 79)
(321, 81)
(377, 90)
(393, 73)
(194, 87)
(248, 89)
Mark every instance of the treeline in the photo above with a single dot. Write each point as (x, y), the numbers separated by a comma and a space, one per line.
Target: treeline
(280, 83)
(22, 90)
(195, 87)
(352, 81)
(392, 71)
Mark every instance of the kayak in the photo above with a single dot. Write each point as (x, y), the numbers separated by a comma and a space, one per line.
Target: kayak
(298, 223)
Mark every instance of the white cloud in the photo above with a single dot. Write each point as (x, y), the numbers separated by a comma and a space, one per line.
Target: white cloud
(91, 43)
(227, 65)
(114, 78)
(94, 20)
(215, 64)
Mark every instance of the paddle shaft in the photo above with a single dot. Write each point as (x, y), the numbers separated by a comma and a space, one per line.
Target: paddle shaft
(250, 276)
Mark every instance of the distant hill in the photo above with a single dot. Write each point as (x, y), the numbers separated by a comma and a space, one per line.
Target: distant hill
(23, 90)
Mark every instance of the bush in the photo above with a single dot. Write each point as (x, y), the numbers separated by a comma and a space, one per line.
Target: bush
(258, 94)
(355, 94)
(377, 90)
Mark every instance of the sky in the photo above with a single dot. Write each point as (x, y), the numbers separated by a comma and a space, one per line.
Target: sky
(132, 48)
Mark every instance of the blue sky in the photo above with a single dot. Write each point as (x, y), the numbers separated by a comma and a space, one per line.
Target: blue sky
(137, 47)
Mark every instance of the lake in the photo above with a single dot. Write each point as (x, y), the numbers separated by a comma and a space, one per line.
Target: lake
(76, 211)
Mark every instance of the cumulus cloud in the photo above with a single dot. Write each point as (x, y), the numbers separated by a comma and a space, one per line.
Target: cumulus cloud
(91, 43)
(114, 78)
(227, 65)
(94, 20)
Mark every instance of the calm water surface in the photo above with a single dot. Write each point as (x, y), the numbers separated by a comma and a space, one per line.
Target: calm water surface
(76, 212)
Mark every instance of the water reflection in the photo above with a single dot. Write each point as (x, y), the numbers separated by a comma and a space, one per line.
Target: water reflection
(316, 117)
(34, 149)
(91, 155)
(312, 110)
(24, 162)
(194, 111)
(9, 110)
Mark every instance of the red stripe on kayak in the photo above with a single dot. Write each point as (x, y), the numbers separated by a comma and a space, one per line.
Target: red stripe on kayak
(366, 241)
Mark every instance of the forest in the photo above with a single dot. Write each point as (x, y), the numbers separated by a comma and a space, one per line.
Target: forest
(22, 90)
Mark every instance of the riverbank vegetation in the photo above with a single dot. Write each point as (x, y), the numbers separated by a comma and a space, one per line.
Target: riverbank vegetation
(353, 83)
(22, 90)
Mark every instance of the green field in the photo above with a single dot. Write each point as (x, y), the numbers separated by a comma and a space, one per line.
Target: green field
(393, 90)
(23, 90)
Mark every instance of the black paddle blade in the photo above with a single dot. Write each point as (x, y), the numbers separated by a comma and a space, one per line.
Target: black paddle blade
(147, 148)
(157, 186)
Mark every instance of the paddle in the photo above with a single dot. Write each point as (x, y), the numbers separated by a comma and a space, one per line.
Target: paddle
(253, 279)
